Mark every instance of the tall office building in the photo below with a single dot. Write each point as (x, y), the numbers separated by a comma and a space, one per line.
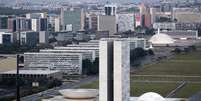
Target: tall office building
(35, 24)
(57, 25)
(126, 22)
(107, 23)
(72, 20)
(145, 15)
(114, 72)
(11, 24)
(110, 9)
(39, 24)
(23, 24)
(43, 24)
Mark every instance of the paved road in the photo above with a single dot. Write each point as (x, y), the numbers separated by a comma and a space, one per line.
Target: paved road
(54, 91)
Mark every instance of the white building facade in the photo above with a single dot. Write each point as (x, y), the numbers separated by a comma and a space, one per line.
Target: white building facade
(126, 22)
(114, 73)
(68, 63)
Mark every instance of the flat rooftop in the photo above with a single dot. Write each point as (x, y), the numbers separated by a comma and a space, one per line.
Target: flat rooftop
(33, 72)
(61, 98)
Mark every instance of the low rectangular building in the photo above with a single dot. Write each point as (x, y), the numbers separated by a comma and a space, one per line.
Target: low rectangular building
(87, 54)
(96, 49)
(68, 63)
(33, 74)
(182, 34)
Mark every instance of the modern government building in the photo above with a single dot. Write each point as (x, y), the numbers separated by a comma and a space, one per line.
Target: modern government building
(69, 59)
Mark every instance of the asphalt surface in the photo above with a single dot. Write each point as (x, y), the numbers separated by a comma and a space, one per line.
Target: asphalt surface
(54, 91)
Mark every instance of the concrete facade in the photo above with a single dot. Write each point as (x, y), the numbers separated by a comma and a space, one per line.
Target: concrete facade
(107, 23)
(69, 63)
(121, 71)
(114, 70)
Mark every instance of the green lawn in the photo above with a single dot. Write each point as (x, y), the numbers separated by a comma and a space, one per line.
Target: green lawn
(183, 64)
(189, 90)
(139, 88)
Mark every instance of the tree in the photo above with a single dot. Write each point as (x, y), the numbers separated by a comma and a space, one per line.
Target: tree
(86, 65)
(136, 55)
(95, 68)
(151, 52)
(177, 50)
(199, 31)
(149, 31)
(90, 68)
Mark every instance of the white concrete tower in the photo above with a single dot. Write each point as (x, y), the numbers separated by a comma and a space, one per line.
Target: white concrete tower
(106, 70)
(121, 70)
(114, 74)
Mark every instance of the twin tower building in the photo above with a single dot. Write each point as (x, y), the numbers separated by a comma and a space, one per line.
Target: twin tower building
(114, 74)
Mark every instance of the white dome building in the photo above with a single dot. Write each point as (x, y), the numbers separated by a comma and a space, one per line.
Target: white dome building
(151, 96)
(161, 39)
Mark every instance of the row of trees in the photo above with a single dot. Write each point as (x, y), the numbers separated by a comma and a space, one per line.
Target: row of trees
(137, 54)
(90, 67)
(185, 50)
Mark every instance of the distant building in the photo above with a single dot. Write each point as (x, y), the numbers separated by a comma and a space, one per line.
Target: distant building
(38, 77)
(186, 15)
(137, 20)
(188, 26)
(165, 25)
(68, 63)
(36, 15)
(110, 9)
(11, 24)
(3, 22)
(126, 22)
(6, 38)
(102, 34)
(23, 24)
(29, 38)
(182, 34)
(35, 25)
(57, 25)
(93, 22)
(107, 23)
(72, 20)
(87, 54)
(39, 24)
(63, 36)
(96, 49)
(81, 35)
(145, 15)
(43, 24)
(43, 37)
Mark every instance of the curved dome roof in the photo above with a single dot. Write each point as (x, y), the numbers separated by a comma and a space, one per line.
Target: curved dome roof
(161, 39)
(79, 93)
(151, 96)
